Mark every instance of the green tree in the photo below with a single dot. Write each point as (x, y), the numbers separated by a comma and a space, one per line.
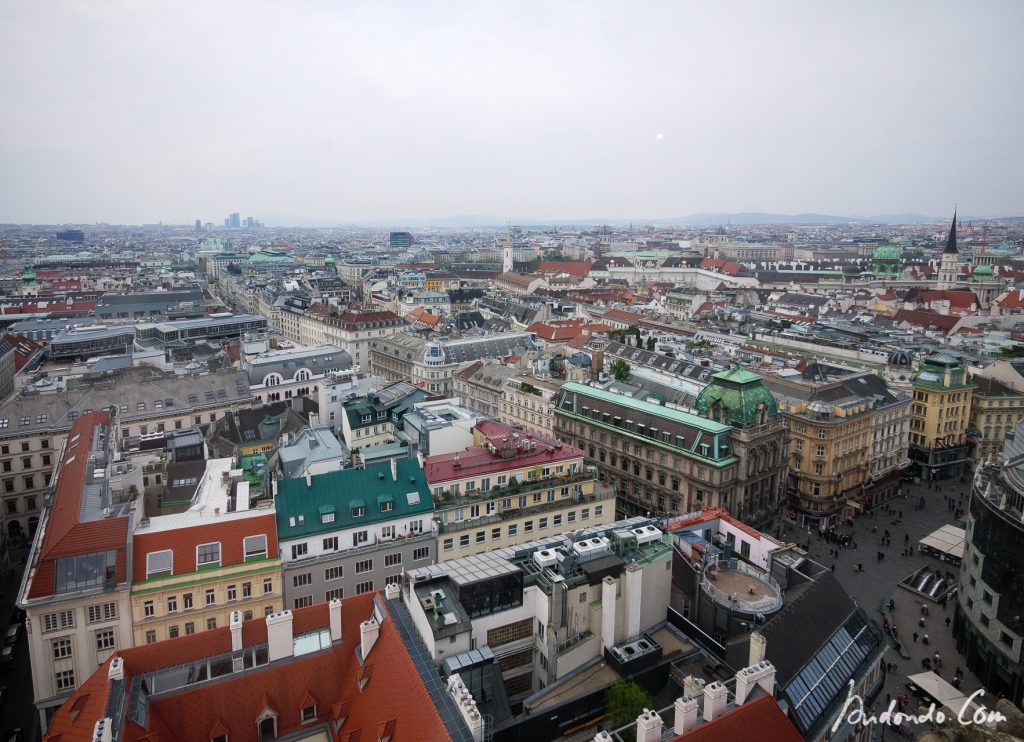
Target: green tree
(624, 701)
(619, 369)
(1012, 351)
(650, 343)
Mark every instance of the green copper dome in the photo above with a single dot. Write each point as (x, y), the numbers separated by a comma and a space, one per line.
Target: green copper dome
(886, 252)
(983, 270)
(735, 396)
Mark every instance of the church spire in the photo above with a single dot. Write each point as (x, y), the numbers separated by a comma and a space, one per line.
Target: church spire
(951, 240)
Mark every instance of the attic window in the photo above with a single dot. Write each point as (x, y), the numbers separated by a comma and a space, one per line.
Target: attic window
(308, 714)
(4, 422)
(219, 738)
(24, 420)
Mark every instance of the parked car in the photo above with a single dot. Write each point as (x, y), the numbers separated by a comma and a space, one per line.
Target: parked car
(13, 634)
(17, 616)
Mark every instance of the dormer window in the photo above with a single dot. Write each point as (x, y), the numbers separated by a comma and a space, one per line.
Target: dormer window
(308, 714)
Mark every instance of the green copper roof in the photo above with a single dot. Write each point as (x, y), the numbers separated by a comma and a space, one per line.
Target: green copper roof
(741, 393)
(983, 270)
(668, 413)
(886, 252)
(301, 508)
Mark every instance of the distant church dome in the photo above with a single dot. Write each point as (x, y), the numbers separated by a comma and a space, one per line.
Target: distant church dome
(983, 270)
(886, 252)
(901, 359)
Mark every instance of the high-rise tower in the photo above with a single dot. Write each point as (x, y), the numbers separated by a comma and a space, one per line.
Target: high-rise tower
(508, 253)
(949, 267)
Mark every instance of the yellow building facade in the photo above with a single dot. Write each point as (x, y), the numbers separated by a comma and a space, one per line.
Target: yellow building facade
(940, 418)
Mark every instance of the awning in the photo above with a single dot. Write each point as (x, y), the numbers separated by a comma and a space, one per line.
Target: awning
(326, 509)
(854, 504)
(948, 696)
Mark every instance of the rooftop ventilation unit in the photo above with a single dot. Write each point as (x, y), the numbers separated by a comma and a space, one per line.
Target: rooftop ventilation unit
(545, 557)
(646, 534)
(589, 548)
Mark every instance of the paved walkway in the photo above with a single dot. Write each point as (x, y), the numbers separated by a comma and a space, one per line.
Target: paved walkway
(879, 581)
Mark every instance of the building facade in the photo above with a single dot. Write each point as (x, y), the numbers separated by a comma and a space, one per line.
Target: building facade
(940, 416)
(510, 488)
(190, 570)
(987, 623)
(997, 405)
(529, 403)
(353, 531)
(660, 460)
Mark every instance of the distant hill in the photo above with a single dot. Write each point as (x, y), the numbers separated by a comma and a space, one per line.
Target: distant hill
(757, 217)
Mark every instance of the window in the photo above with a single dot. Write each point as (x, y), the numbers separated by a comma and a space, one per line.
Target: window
(301, 580)
(448, 544)
(464, 540)
(232, 593)
(211, 623)
(364, 587)
(172, 632)
(190, 628)
(556, 520)
(528, 526)
(159, 563)
(331, 544)
(495, 534)
(102, 612)
(148, 609)
(360, 537)
(393, 580)
(364, 566)
(211, 596)
(151, 636)
(585, 513)
(299, 550)
(208, 554)
(255, 546)
(334, 573)
(61, 648)
(598, 511)
(572, 516)
(268, 586)
(481, 536)
(308, 714)
(246, 590)
(172, 603)
(65, 679)
(337, 593)
(305, 600)
(513, 530)
(104, 640)
(392, 560)
(29, 483)
(358, 511)
(421, 553)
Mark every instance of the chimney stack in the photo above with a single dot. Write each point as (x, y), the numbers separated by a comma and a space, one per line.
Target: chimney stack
(280, 642)
(596, 365)
(693, 686)
(687, 713)
(649, 726)
(394, 470)
(334, 608)
(392, 591)
(715, 700)
(236, 631)
(758, 646)
(116, 669)
(103, 731)
(762, 674)
(309, 479)
(368, 633)
(602, 736)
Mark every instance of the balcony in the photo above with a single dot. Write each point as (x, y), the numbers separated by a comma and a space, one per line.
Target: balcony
(738, 586)
(602, 492)
(447, 499)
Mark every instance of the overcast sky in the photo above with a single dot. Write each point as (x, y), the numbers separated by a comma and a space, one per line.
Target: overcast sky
(136, 112)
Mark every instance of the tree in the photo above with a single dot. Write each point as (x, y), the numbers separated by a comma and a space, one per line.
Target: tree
(624, 701)
(619, 369)
(650, 343)
(1011, 351)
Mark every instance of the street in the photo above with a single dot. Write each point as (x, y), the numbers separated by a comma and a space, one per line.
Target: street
(879, 580)
(18, 709)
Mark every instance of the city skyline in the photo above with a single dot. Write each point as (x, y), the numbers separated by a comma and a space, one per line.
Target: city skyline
(368, 114)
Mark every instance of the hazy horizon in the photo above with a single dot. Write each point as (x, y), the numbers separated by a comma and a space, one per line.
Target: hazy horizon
(132, 113)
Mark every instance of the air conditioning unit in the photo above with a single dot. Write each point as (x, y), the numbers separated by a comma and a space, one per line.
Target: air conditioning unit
(646, 534)
(545, 557)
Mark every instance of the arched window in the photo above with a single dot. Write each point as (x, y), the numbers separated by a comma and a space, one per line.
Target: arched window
(303, 374)
(273, 379)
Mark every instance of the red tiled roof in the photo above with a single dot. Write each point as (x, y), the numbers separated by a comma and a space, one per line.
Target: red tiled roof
(956, 299)
(621, 315)
(926, 318)
(65, 534)
(393, 699)
(580, 270)
(24, 349)
(709, 514)
(721, 266)
(557, 331)
(183, 542)
(421, 316)
(759, 719)
(479, 460)
(1014, 299)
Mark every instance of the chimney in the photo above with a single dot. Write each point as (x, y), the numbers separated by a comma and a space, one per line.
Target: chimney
(693, 686)
(392, 591)
(116, 669)
(758, 646)
(236, 631)
(596, 365)
(602, 736)
(648, 726)
(715, 700)
(368, 632)
(309, 479)
(762, 674)
(334, 608)
(687, 714)
(280, 643)
(103, 731)
(394, 470)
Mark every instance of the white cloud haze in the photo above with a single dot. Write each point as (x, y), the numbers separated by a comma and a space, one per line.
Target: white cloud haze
(143, 111)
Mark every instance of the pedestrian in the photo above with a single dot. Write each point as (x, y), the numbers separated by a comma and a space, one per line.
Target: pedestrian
(833, 568)
(948, 621)
(915, 637)
(921, 622)
(938, 660)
